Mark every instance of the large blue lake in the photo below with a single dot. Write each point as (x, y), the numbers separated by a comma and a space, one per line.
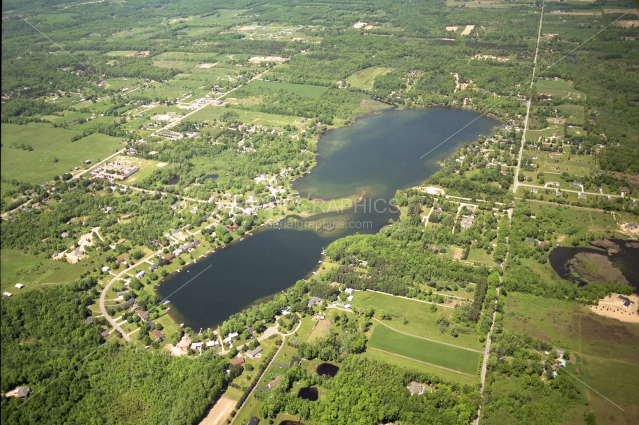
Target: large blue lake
(378, 154)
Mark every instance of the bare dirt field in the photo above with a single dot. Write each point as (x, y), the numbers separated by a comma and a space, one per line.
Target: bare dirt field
(628, 24)
(612, 306)
(453, 29)
(468, 29)
(247, 28)
(359, 25)
(207, 65)
(220, 412)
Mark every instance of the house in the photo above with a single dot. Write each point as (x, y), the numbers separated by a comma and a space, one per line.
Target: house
(415, 388)
(196, 346)
(631, 226)
(64, 235)
(158, 335)
(349, 290)
(177, 252)
(250, 330)
(253, 421)
(534, 190)
(239, 360)
(212, 343)
(252, 354)
(562, 362)
(151, 325)
(140, 274)
(153, 267)
(22, 392)
(169, 258)
(314, 301)
(286, 311)
(19, 285)
(335, 284)
(6, 294)
(104, 334)
(143, 315)
(275, 381)
(105, 269)
(582, 196)
(624, 190)
(121, 293)
(120, 260)
(90, 320)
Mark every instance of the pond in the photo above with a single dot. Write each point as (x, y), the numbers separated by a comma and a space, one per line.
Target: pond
(609, 259)
(327, 369)
(377, 155)
(211, 176)
(311, 394)
(289, 422)
(173, 181)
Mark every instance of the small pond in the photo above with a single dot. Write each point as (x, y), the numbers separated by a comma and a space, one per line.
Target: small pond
(327, 369)
(211, 176)
(174, 181)
(308, 394)
(289, 422)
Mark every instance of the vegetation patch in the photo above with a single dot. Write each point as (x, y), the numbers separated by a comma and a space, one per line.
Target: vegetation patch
(365, 78)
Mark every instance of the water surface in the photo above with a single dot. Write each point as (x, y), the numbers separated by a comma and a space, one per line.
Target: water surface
(378, 154)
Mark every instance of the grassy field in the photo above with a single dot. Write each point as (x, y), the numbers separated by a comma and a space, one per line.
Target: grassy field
(559, 88)
(33, 272)
(420, 367)
(421, 320)
(606, 349)
(576, 112)
(431, 352)
(365, 78)
(480, 256)
(301, 89)
(49, 144)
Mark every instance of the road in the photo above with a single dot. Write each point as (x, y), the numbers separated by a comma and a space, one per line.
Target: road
(532, 81)
(266, 368)
(484, 364)
(106, 289)
(204, 105)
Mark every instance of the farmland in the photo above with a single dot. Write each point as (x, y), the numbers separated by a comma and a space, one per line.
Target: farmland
(365, 78)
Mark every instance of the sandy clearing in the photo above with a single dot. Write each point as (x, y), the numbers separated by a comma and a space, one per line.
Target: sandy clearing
(612, 306)
(247, 28)
(453, 29)
(220, 412)
(162, 164)
(468, 29)
(359, 25)
(628, 24)
(207, 65)
(368, 27)
(258, 59)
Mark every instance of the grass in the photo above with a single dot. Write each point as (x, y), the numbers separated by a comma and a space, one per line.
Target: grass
(480, 256)
(559, 88)
(419, 367)
(34, 272)
(365, 78)
(421, 320)
(48, 144)
(386, 339)
(301, 89)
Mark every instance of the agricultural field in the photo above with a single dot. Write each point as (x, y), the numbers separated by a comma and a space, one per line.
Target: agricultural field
(558, 89)
(457, 359)
(301, 89)
(365, 78)
(53, 152)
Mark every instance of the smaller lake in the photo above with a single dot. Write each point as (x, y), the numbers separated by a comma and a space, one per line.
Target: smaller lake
(327, 369)
(173, 181)
(211, 176)
(311, 394)
(623, 256)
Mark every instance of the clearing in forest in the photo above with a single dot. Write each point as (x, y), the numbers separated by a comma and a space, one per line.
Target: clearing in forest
(365, 78)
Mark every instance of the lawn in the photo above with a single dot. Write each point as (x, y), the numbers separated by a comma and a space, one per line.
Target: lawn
(420, 367)
(49, 144)
(431, 352)
(365, 78)
(301, 89)
(480, 256)
(421, 320)
(558, 88)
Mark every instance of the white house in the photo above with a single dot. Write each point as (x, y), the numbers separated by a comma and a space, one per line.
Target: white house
(177, 252)
(196, 346)
(212, 343)
(349, 290)
(286, 311)
(140, 274)
(8, 294)
(19, 285)
(105, 269)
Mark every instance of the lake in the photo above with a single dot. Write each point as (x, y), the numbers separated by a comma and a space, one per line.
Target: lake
(378, 154)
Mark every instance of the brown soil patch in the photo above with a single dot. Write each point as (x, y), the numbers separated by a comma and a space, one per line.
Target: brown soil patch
(453, 29)
(597, 268)
(247, 28)
(628, 24)
(612, 306)
(220, 412)
(468, 29)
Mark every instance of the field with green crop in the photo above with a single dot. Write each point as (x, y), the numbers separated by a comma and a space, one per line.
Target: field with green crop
(446, 356)
(53, 152)
(365, 78)
(558, 89)
(420, 320)
(301, 89)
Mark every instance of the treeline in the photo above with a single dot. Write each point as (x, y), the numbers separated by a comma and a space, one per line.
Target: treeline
(622, 159)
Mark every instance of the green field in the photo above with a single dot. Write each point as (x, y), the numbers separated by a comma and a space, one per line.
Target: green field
(421, 320)
(386, 339)
(33, 272)
(301, 89)
(38, 165)
(420, 367)
(558, 89)
(365, 78)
